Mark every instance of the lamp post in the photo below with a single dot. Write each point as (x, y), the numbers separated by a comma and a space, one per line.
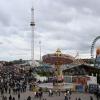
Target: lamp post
(40, 51)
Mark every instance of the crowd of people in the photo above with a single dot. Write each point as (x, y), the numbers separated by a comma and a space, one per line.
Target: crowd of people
(12, 87)
(12, 84)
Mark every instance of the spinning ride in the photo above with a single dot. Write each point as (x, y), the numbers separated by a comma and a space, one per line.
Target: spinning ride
(57, 59)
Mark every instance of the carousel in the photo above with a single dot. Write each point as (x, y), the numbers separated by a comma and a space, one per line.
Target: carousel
(58, 59)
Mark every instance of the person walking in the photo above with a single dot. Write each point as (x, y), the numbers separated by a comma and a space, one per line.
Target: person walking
(91, 98)
(10, 97)
(13, 98)
(59, 92)
(56, 92)
(18, 96)
(50, 92)
(65, 96)
(9, 90)
(79, 98)
(29, 98)
(5, 98)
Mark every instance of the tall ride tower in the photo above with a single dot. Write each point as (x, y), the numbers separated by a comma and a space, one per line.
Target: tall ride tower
(32, 24)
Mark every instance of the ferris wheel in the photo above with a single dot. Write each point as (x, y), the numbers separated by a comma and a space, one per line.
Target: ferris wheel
(92, 47)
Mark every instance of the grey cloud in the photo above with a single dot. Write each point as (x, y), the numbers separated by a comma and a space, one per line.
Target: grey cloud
(66, 24)
(1, 43)
(4, 19)
(80, 5)
(70, 21)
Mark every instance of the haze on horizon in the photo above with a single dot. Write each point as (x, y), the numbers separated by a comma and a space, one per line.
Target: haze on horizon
(70, 25)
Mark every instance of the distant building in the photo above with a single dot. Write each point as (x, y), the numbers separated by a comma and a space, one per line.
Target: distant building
(82, 73)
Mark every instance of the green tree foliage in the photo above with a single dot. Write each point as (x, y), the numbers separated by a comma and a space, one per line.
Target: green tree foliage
(44, 73)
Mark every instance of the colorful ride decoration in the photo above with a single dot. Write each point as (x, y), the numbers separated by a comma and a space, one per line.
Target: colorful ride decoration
(98, 51)
(97, 60)
(57, 59)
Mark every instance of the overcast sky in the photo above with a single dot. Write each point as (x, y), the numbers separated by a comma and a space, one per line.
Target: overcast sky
(70, 25)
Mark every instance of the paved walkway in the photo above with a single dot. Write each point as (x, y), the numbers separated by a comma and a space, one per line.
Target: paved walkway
(24, 96)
